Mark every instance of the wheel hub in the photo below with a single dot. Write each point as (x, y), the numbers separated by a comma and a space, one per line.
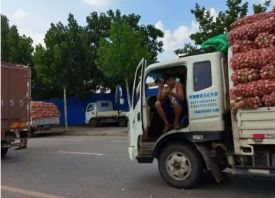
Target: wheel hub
(178, 166)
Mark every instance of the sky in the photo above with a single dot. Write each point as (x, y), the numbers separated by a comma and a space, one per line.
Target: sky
(173, 17)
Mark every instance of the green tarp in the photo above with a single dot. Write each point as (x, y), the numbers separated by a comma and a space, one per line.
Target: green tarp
(218, 42)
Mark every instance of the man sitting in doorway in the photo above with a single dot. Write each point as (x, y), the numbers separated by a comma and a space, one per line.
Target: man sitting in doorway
(170, 101)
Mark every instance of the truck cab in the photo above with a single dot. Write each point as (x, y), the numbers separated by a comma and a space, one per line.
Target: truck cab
(209, 137)
(101, 112)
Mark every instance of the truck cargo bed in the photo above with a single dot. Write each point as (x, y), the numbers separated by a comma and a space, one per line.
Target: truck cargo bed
(255, 122)
(45, 121)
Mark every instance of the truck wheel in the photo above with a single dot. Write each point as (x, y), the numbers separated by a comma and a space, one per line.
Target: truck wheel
(180, 166)
(4, 151)
(122, 122)
(93, 122)
(32, 132)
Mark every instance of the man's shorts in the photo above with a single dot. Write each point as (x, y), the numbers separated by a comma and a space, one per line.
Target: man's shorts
(169, 110)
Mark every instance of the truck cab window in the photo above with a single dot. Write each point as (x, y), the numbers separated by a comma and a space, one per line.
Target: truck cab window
(202, 77)
(90, 107)
(104, 104)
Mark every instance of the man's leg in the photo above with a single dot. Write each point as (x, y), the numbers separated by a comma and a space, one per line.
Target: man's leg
(177, 110)
(163, 116)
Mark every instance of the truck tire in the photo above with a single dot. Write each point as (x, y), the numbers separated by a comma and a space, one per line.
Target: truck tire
(32, 130)
(4, 151)
(122, 122)
(180, 166)
(93, 122)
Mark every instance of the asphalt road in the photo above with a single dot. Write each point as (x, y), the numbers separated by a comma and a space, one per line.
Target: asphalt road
(99, 167)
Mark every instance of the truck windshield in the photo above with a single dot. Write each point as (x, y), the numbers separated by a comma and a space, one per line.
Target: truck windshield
(90, 107)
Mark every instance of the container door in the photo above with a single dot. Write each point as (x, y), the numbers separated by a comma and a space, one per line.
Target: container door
(136, 113)
(205, 98)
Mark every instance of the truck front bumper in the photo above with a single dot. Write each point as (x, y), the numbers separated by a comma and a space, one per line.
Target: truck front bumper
(132, 153)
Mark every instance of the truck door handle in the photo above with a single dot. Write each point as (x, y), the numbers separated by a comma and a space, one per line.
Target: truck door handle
(138, 116)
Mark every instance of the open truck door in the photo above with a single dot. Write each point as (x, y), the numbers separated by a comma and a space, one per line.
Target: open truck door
(137, 118)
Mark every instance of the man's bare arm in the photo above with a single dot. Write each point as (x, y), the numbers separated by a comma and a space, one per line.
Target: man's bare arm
(180, 92)
(161, 88)
(159, 96)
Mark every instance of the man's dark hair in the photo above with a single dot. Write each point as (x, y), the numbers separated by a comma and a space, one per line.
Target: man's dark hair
(169, 74)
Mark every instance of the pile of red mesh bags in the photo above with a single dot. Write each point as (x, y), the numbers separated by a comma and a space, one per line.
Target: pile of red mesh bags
(43, 110)
(252, 41)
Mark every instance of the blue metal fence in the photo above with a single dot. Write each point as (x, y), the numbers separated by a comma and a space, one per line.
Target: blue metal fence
(76, 107)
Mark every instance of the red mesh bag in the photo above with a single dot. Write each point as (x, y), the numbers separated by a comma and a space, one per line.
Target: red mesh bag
(247, 103)
(254, 88)
(268, 72)
(245, 75)
(265, 40)
(243, 46)
(251, 19)
(253, 59)
(251, 30)
(269, 100)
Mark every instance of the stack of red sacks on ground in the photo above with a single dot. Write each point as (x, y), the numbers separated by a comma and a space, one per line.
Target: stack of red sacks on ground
(43, 110)
(252, 41)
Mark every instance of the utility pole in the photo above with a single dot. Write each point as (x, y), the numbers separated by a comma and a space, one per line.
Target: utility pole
(65, 108)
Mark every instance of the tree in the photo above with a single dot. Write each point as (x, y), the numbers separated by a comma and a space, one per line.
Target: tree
(258, 8)
(210, 26)
(14, 48)
(121, 51)
(63, 64)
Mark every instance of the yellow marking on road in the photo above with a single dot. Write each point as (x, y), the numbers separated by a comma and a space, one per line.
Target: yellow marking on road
(29, 192)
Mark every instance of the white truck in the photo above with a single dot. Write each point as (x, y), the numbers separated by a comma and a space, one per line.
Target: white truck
(44, 116)
(214, 136)
(101, 112)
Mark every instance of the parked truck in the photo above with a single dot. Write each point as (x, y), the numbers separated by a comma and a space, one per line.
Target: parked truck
(101, 112)
(15, 105)
(44, 116)
(214, 136)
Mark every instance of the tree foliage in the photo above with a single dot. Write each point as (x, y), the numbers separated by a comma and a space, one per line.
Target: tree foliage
(99, 25)
(14, 47)
(121, 52)
(66, 59)
(70, 54)
(99, 28)
(210, 26)
(258, 8)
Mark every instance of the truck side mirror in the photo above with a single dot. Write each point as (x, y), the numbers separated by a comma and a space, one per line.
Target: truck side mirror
(118, 95)
(118, 98)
